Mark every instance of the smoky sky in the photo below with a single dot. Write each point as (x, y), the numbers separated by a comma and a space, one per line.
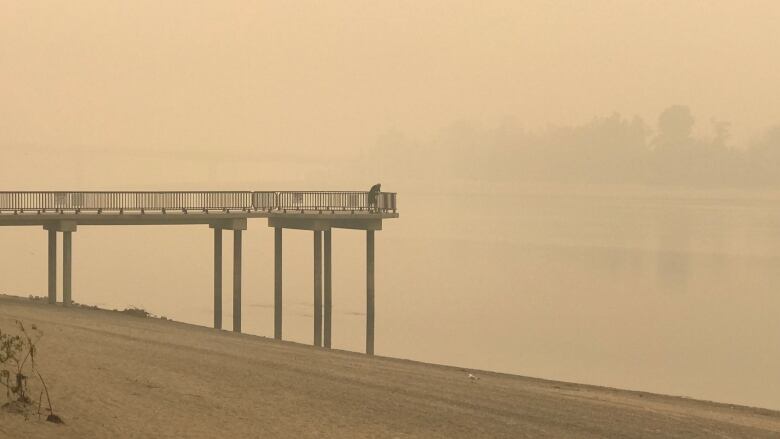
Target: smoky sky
(133, 87)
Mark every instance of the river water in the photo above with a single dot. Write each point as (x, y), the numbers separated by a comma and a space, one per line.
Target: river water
(667, 291)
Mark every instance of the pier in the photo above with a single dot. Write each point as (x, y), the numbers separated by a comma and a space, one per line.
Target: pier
(315, 211)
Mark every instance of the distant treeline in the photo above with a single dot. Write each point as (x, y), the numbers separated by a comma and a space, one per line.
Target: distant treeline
(612, 149)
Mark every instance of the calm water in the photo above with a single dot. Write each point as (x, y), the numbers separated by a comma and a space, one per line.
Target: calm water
(668, 292)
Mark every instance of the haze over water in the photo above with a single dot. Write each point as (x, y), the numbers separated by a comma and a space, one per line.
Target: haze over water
(541, 232)
(664, 292)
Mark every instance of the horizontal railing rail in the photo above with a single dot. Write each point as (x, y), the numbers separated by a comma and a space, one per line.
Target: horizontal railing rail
(324, 201)
(208, 200)
(119, 201)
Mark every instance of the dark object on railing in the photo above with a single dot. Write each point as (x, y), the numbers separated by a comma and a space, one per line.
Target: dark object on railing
(204, 201)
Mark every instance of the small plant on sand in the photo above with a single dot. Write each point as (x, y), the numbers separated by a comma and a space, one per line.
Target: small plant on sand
(11, 349)
(17, 365)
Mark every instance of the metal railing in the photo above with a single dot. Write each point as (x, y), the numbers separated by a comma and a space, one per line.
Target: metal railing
(325, 201)
(120, 201)
(205, 201)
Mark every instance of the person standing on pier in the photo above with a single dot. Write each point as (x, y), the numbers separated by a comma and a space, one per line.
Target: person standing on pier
(373, 193)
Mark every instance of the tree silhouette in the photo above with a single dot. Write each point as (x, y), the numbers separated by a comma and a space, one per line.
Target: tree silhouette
(675, 127)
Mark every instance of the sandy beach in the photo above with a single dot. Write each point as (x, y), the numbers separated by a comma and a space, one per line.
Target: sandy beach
(116, 375)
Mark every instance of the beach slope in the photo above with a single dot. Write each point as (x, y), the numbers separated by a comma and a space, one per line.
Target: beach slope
(115, 375)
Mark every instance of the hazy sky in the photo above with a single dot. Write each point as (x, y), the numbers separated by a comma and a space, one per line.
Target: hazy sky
(314, 79)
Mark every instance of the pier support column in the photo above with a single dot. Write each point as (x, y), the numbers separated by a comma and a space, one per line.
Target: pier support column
(328, 297)
(52, 266)
(278, 283)
(317, 288)
(217, 278)
(236, 225)
(66, 268)
(370, 292)
(66, 227)
(236, 280)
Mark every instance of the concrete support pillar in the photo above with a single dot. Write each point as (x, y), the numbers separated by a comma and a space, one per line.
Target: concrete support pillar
(370, 292)
(317, 288)
(217, 278)
(278, 283)
(66, 268)
(328, 297)
(236, 280)
(52, 266)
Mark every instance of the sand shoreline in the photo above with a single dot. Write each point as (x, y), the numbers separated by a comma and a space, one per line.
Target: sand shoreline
(118, 375)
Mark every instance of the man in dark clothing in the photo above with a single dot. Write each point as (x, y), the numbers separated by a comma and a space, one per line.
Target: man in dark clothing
(373, 194)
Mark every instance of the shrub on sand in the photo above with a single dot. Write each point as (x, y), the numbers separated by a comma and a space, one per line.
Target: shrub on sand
(17, 366)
